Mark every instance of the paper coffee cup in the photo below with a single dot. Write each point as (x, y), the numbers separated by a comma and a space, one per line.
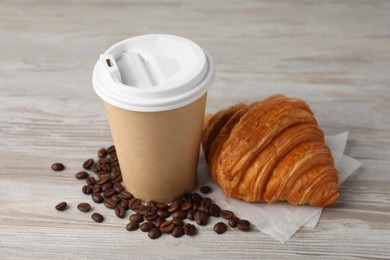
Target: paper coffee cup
(154, 89)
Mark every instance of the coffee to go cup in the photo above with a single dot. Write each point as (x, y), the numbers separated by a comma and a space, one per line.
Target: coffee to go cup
(154, 89)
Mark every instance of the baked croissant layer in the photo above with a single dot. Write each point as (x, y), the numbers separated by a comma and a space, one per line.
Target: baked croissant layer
(271, 150)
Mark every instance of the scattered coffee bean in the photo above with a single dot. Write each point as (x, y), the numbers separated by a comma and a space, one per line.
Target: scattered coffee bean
(57, 167)
(116, 198)
(106, 186)
(196, 198)
(226, 214)
(110, 203)
(118, 187)
(190, 214)
(88, 164)
(178, 222)
(96, 188)
(233, 221)
(120, 211)
(136, 218)
(174, 206)
(163, 213)
(214, 210)
(186, 205)
(151, 217)
(133, 203)
(84, 207)
(82, 175)
(201, 217)
(102, 153)
(61, 206)
(167, 227)
(154, 233)
(108, 193)
(220, 228)
(90, 181)
(147, 226)
(189, 229)
(104, 178)
(179, 214)
(97, 198)
(97, 217)
(87, 189)
(205, 189)
(132, 226)
(111, 151)
(158, 221)
(126, 195)
(178, 231)
(244, 225)
(124, 203)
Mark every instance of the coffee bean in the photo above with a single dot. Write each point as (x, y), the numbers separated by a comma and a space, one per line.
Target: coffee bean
(147, 226)
(196, 198)
(187, 197)
(154, 233)
(132, 226)
(190, 214)
(84, 207)
(106, 186)
(189, 229)
(178, 231)
(118, 187)
(116, 198)
(162, 206)
(97, 217)
(102, 153)
(151, 217)
(158, 221)
(206, 203)
(163, 213)
(136, 218)
(174, 206)
(111, 150)
(226, 214)
(244, 225)
(124, 203)
(205, 189)
(201, 217)
(61, 206)
(179, 214)
(104, 161)
(110, 203)
(120, 211)
(178, 222)
(186, 205)
(104, 178)
(126, 195)
(233, 221)
(108, 193)
(87, 189)
(97, 198)
(96, 168)
(214, 210)
(57, 167)
(81, 175)
(152, 204)
(167, 227)
(134, 202)
(90, 180)
(88, 164)
(220, 228)
(96, 188)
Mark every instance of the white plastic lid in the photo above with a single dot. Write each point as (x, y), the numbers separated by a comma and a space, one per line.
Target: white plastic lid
(154, 72)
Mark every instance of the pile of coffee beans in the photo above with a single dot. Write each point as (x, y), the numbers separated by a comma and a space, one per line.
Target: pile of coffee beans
(103, 182)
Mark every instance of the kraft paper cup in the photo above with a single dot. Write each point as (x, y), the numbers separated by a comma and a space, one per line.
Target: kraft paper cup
(154, 90)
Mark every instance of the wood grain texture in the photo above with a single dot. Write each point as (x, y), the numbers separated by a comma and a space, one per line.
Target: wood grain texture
(333, 54)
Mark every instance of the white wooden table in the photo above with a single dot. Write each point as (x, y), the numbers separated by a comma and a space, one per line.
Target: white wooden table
(333, 54)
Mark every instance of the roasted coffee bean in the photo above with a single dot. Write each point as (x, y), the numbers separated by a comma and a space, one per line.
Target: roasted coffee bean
(102, 153)
(116, 177)
(106, 186)
(82, 176)
(97, 217)
(226, 214)
(152, 204)
(178, 231)
(87, 189)
(159, 221)
(179, 214)
(116, 198)
(195, 205)
(84, 207)
(196, 198)
(204, 209)
(96, 168)
(167, 227)
(244, 225)
(88, 164)
(57, 167)
(162, 206)
(108, 193)
(214, 210)
(220, 228)
(61, 206)
(206, 203)
(126, 195)
(201, 217)
(205, 189)
(90, 181)
(189, 229)
(233, 221)
(178, 222)
(120, 211)
(174, 206)
(104, 160)
(124, 203)
(96, 188)
(136, 218)
(111, 150)
(190, 214)
(104, 178)
(154, 233)
(132, 226)
(97, 198)
(142, 207)
(163, 213)
(187, 197)
(151, 217)
(133, 203)
(186, 205)
(118, 187)
(147, 226)
(110, 203)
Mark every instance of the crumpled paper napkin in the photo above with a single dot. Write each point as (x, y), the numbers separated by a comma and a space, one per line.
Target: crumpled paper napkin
(280, 220)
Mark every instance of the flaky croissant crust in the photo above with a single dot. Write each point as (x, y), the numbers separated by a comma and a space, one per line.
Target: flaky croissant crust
(271, 150)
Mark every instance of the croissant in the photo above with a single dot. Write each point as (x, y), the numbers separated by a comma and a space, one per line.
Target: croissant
(271, 150)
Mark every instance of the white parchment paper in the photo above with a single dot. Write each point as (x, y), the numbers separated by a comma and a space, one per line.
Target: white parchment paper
(280, 220)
